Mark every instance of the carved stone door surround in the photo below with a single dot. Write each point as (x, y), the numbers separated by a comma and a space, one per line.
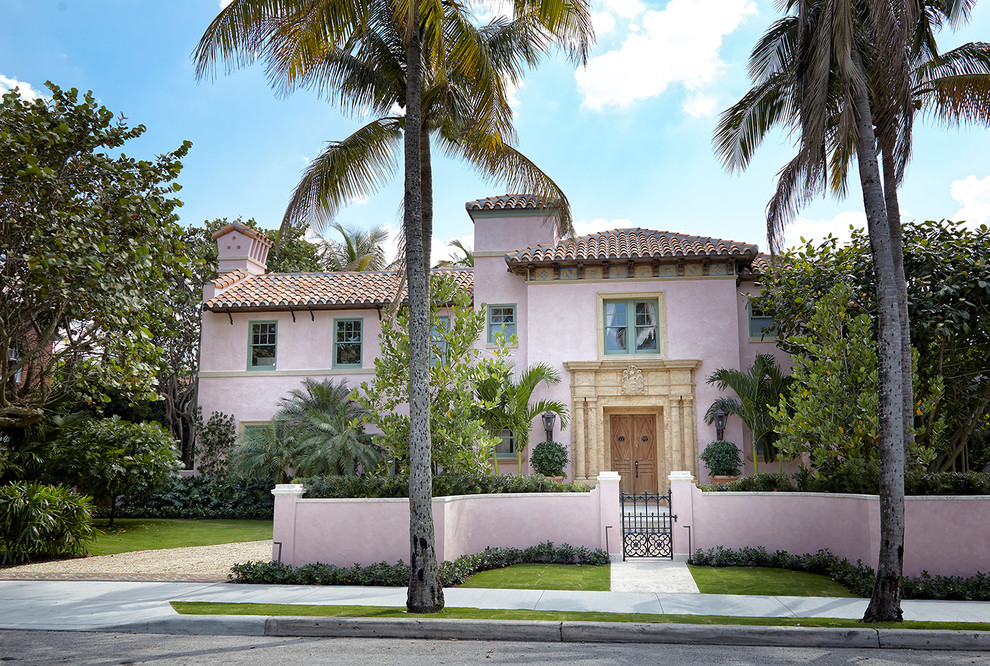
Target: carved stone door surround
(599, 389)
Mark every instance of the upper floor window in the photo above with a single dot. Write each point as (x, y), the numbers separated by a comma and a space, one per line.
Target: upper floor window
(439, 343)
(632, 326)
(347, 343)
(261, 345)
(761, 325)
(501, 319)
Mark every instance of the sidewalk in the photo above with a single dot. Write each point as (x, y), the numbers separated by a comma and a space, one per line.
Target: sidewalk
(144, 608)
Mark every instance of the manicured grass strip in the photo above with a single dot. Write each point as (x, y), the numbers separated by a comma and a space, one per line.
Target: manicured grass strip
(765, 581)
(131, 534)
(544, 577)
(303, 610)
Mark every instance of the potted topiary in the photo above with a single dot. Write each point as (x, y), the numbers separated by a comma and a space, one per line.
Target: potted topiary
(548, 458)
(722, 460)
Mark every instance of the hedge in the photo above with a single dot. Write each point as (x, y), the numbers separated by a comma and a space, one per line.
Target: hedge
(444, 484)
(205, 497)
(862, 480)
(858, 578)
(397, 575)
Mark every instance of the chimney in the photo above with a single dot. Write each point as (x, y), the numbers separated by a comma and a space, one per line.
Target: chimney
(239, 246)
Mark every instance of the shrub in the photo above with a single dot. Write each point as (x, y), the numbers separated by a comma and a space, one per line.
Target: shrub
(858, 578)
(760, 483)
(861, 478)
(38, 521)
(215, 441)
(205, 497)
(722, 458)
(444, 484)
(397, 575)
(548, 458)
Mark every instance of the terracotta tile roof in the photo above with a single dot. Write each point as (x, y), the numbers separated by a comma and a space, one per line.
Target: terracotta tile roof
(506, 202)
(227, 279)
(244, 229)
(760, 266)
(631, 244)
(278, 291)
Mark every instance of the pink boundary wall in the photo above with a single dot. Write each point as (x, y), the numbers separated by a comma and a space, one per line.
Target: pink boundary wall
(947, 536)
(365, 531)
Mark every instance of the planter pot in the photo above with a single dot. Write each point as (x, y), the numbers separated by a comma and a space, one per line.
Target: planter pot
(558, 479)
(719, 480)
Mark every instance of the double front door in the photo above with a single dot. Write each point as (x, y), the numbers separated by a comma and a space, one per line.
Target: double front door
(634, 451)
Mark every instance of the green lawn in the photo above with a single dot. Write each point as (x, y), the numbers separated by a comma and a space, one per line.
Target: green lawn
(300, 610)
(764, 581)
(544, 577)
(130, 534)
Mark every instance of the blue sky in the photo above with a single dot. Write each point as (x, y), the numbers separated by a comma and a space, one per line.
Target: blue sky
(628, 138)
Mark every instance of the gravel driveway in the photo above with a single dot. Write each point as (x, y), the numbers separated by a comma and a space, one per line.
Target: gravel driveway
(197, 563)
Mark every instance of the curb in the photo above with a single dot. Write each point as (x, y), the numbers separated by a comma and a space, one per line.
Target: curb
(623, 632)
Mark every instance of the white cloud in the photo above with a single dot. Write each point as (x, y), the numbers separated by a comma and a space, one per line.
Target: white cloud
(223, 3)
(700, 105)
(679, 44)
(603, 23)
(624, 8)
(818, 230)
(586, 227)
(973, 194)
(27, 92)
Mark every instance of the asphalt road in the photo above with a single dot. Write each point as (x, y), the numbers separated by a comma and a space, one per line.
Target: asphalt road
(53, 647)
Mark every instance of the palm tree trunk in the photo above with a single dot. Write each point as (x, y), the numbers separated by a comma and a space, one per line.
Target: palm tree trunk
(897, 252)
(426, 163)
(425, 595)
(885, 603)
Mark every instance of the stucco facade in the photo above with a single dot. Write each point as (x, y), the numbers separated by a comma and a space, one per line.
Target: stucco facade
(636, 389)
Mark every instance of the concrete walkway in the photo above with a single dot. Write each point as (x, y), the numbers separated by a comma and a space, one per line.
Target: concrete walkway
(144, 608)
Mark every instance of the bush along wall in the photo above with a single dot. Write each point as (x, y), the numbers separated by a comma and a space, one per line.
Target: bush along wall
(397, 575)
(444, 484)
(862, 479)
(205, 497)
(858, 578)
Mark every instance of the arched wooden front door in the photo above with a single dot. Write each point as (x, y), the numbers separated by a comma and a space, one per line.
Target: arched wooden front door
(634, 451)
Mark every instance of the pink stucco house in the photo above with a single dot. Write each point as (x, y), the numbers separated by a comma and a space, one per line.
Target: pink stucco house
(634, 319)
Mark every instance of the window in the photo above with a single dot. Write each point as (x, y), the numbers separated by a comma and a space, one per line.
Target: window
(632, 327)
(506, 448)
(439, 343)
(261, 345)
(501, 319)
(347, 343)
(761, 325)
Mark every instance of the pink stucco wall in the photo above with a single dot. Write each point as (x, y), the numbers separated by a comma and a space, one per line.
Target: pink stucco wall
(943, 535)
(365, 531)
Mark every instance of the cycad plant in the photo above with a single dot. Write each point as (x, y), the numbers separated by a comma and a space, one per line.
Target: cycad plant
(266, 453)
(323, 422)
(758, 389)
(507, 402)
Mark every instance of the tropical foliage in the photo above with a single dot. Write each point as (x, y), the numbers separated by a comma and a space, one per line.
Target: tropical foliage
(759, 389)
(549, 458)
(460, 441)
(39, 522)
(356, 250)
(506, 402)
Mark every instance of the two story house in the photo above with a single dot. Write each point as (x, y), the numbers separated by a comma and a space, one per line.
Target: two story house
(634, 319)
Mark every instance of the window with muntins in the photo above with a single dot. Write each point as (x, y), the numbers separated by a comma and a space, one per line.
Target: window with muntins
(506, 448)
(440, 352)
(632, 327)
(501, 319)
(761, 325)
(261, 345)
(347, 343)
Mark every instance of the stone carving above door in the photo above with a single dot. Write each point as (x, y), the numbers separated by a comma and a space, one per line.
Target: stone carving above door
(632, 381)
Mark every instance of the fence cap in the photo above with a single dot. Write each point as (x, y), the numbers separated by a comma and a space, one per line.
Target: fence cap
(609, 476)
(289, 489)
(681, 476)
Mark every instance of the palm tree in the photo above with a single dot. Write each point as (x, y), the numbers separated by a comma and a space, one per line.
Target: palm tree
(357, 250)
(451, 78)
(508, 402)
(758, 389)
(267, 453)
(850, 77)
(464, 256)
(323, 421)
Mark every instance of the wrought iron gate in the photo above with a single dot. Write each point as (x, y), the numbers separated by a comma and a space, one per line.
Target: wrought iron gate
(647, 524)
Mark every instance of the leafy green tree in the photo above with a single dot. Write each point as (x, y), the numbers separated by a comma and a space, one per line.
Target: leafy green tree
(111, 459)
(461, 443)
(325, 425)
(758, 391)
(215, 440)
(449, 77)
(948, 269)
(87, 240)
(507, 401)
